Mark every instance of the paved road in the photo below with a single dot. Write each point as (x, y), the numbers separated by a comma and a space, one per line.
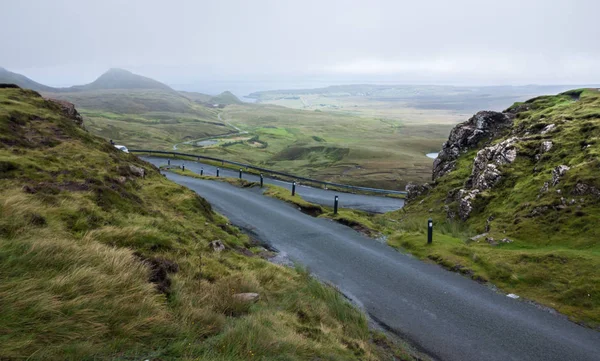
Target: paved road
(373, 204)
(445, 314)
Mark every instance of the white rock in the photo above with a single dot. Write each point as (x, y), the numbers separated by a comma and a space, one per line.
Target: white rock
(548, 128)
(512, 295)
(546, 146)
(247, 297)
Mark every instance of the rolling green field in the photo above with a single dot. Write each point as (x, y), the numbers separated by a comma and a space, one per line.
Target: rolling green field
(146, 118)
(333, 146)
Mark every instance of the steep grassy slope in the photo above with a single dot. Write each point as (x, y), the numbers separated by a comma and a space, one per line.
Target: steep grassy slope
(535, 191)
(102, 258)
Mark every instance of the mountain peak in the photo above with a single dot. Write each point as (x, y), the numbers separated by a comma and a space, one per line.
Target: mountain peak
(116, 78)
(117, 71)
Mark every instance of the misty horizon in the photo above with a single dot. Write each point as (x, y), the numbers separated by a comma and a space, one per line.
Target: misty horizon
(191, 45)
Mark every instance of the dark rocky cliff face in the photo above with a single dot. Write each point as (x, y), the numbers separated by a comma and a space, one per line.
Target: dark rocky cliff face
(483, 126)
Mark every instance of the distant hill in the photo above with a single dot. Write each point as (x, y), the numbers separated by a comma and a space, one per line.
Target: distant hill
(122, 79)
(225, 98)
(112, 79)
(8, 77)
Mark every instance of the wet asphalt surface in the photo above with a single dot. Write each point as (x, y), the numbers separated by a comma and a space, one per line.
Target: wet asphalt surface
(372, 204)
(448, 316)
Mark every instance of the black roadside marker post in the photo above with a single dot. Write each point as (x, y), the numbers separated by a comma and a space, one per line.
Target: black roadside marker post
(168, 162)
(183, 167)
(261, 180)
(293, 189)
(335, 204)
(201, 171)
(240, 173)
(217, 172)
(429, 231)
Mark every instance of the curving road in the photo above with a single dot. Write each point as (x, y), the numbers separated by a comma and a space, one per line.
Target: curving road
(443, 313)
(373, 204)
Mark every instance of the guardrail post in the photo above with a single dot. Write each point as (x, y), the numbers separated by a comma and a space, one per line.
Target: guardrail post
(293, 189)
(261, 180)
(429, 231)
(240, 173)
(201, 171)
(335, 205)
(217, 172)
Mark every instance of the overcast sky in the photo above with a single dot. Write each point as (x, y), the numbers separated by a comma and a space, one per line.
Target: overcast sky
(181, 42)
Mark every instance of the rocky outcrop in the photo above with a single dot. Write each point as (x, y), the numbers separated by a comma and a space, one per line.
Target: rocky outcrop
(217, 246)
(485, 166)
(69, 111)
(137, 171)
(546, 146)
(582, 189)
(558, 173)
(484, 125)
(416, 190)
(465, 202)
(548, 128)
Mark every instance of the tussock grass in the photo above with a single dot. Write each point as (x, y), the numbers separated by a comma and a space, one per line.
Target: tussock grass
(83, 249)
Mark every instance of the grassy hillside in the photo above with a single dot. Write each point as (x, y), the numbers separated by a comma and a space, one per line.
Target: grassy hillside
(134, 110)
(225, 98)
(140, 118)
(101, 257)
(538, 213)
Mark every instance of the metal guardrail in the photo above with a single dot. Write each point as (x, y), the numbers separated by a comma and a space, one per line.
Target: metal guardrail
(270, 171)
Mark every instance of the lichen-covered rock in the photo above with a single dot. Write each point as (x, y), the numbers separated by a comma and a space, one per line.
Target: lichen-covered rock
(484, 125)
(137, 171)
(478, 237)
(546, 146)
(582, 189)
(465, 202)
(548, 128)
(558, 173)
(544, 188)
(485, 166)
(416, 190)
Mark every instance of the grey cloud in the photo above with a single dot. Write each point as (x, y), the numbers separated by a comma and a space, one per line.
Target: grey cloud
(463, 41)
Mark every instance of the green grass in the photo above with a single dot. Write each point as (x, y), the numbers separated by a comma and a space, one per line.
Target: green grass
(555, 254)
(337, 147)
(75, 225)
(145, 119)
(382, 145)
